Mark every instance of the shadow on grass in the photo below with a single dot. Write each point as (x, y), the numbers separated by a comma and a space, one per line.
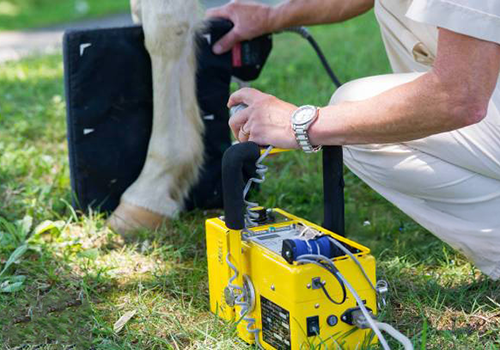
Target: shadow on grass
(75, 294)
(446, 309)
(53, 307)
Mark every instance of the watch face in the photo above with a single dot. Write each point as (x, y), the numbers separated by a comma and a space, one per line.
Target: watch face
(304, 115)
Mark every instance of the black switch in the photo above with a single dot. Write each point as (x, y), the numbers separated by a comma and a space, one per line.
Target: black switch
(312, 326)
(261, 215)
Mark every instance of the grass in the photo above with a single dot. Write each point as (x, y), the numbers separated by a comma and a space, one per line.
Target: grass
(80, 278)
(24, 14)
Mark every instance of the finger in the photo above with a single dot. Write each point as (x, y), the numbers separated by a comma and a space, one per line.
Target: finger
(245, 95)
(220, 12)
(227, 42)
(243, 135)
(257, 139)
(237, 121)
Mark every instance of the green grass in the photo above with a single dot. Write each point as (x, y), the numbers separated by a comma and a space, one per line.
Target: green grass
(81, 278)
(24, 14)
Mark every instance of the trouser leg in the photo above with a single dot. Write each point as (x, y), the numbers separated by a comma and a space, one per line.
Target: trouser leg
(175, 150)
(449, 183)
(410, 46)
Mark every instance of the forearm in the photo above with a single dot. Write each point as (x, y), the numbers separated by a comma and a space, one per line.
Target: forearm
(454, 94)
(310, 12)
(417, 109)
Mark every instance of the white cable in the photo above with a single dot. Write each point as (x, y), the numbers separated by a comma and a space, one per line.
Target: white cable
(234, 276)
(380, 286)
(375, 326)
(244, 305)
(396, 335)
(369, 319)
(345, 250)
(260, 170)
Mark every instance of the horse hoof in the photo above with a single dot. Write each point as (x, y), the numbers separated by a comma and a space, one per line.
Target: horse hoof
(128, 218)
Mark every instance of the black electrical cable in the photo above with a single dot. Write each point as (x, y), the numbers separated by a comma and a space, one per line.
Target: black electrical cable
(330, 298)
(320, 284)
(344, 292)
(304, 32)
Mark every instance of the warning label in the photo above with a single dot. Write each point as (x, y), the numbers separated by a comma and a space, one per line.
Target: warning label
(275, 325)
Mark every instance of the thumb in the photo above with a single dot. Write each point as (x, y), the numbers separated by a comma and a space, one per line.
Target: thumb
(215, 12)
(245, 95)
(226, 43)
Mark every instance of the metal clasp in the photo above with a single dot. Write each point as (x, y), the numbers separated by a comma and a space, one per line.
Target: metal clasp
(382, 289)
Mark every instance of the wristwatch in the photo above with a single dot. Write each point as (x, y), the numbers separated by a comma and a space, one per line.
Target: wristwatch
(301, 120)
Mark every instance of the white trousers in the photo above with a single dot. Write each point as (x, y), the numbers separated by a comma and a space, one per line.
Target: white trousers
(449, 183)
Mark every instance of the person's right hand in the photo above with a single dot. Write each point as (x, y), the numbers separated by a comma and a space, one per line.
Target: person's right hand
(250, 19)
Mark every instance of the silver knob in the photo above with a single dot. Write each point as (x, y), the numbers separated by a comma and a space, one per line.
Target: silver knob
(237, 108)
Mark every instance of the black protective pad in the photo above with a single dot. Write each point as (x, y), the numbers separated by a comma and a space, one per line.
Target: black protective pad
(213, 79)
(109, 110)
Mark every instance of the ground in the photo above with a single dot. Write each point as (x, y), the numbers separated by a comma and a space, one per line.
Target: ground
(80, 278)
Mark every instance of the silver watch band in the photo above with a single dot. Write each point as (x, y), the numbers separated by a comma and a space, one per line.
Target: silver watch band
(303, 140)
(301, 120)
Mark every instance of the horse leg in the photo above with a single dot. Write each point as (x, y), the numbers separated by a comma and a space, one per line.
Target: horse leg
(175, 151)
(136, 8)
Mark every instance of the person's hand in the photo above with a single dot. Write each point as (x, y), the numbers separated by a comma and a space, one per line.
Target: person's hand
(250, 20)
(266, 120)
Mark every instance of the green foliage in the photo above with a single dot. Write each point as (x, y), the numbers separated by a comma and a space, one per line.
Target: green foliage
(80, 278)
(23, 14)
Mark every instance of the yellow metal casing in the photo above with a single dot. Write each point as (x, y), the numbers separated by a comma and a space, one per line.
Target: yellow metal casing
(285, 301)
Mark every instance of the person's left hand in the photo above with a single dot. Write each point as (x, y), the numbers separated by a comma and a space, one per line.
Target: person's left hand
(266, 120)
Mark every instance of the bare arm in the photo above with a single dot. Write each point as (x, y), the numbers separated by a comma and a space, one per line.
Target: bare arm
(454, 94)
(310, 12)
(252, 19)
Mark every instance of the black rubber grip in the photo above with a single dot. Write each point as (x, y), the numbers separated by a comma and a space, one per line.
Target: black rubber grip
(333, 189)
(238, 159)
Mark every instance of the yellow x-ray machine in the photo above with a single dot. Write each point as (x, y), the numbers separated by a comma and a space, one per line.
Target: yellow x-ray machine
(289, 283)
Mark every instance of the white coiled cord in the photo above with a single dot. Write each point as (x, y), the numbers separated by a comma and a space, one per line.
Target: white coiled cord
(243, 301)
(261, 171)
(234, 276)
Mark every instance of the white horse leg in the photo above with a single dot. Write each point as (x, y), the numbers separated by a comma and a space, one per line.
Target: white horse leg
(136, 8)
(175, 151)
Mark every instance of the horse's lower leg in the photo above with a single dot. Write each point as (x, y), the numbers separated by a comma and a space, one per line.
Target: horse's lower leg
(176, 148)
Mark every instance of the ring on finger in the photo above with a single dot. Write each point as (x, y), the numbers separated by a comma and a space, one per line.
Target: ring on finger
(243, 131)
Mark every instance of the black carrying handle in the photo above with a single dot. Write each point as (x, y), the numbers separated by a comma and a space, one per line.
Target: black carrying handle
(333, 189)
(238, 160)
